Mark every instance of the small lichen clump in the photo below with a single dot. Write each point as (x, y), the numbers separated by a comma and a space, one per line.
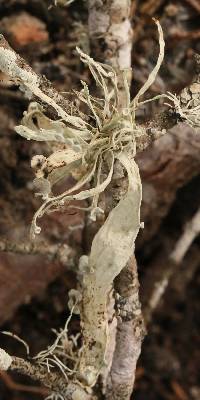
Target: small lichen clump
(84, 147)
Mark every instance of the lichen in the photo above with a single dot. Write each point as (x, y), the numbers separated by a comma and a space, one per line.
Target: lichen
(5, 360)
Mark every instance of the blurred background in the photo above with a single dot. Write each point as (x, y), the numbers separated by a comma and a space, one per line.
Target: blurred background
(33, 288)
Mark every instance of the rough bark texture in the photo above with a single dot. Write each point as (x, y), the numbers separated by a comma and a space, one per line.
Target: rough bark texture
(110, 31)
(130, 333)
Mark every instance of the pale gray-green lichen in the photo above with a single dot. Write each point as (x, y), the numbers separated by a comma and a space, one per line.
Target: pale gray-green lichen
(5, 360)
(9, 65)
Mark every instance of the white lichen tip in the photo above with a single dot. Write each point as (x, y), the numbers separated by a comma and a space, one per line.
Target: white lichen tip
(5, 360)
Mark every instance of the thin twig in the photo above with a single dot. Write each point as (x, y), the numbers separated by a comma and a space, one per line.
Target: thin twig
(64, 254)
(11, 384)
(191, 231)
(195, 4)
